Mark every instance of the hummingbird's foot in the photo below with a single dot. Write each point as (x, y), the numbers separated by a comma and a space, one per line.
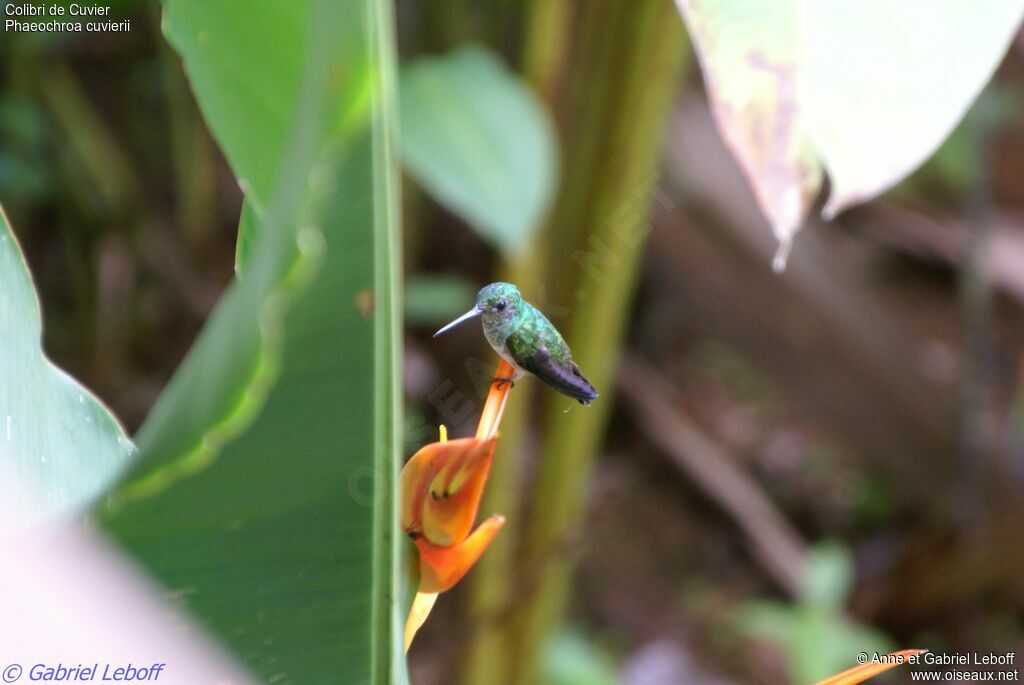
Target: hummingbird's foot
(502, 381)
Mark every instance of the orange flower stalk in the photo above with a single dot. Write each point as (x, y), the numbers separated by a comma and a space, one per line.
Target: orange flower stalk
(858, 674)
(440, 489)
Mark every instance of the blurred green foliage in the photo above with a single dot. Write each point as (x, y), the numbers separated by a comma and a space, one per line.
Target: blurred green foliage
(571, 658)
(477, 139)
(816, 636)
(435, 300)
(24, 176)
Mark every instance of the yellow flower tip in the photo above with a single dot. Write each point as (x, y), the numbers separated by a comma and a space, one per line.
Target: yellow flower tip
(421, 606)
(442, 431)
(858, 674)
(442, 567)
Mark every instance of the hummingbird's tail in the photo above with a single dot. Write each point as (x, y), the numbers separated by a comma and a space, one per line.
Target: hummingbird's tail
(573, 384)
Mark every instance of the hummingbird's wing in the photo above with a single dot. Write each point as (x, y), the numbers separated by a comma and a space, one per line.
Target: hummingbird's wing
(565, 378)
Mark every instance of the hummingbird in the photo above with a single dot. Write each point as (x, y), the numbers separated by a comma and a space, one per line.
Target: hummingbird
(525, 338)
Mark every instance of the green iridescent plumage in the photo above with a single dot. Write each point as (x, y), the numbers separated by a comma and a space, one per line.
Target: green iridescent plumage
(526, 339)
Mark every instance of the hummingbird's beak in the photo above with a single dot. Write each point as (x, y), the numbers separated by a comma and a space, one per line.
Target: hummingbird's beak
(472, 313)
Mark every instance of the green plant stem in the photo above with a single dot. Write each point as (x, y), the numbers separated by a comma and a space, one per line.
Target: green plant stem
(392, 594)
(626, 71)
(545, 46)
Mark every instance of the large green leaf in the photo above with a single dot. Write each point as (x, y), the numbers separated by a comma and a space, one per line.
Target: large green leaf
(865, 89)
(478, 140)
(256, 74)
(264, 493)
(59, 446)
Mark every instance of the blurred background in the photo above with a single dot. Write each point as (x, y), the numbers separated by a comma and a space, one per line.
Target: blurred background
(782, 470)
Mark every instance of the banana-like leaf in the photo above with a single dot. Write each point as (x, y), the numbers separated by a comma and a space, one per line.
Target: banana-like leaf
(866, 90)
(264, 496)
(59, 446)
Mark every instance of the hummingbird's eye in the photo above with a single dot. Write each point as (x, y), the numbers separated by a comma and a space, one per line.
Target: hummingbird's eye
(500, 306)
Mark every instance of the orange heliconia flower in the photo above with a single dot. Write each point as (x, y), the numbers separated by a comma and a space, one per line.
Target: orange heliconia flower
(440, 489)
(442, 567)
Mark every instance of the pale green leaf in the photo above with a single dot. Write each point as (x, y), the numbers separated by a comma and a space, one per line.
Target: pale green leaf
(59, 446)
(866, 90)
(480, 142)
